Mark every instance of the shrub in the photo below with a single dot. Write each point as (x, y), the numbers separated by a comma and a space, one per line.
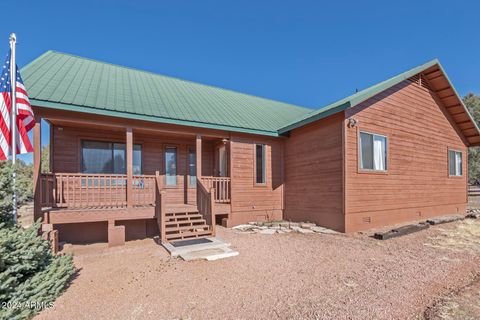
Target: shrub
(31, 277)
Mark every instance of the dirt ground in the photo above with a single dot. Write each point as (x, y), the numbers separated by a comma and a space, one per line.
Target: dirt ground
(294, 276)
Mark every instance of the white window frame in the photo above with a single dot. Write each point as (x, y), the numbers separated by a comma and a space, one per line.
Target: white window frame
(455, 152)
(360, 152)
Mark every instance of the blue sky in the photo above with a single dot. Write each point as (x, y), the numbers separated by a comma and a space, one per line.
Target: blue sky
(308, 53)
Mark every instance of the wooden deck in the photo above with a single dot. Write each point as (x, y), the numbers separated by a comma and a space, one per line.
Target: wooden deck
(95, 214)
(81, 198)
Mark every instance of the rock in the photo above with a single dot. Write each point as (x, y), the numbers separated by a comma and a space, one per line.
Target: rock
(473, 215)
(441, 220)
(323, 230)
(243, 227)
(302, 230)
(293, 224)
(267, 231)
(285, 224)
(307, 225)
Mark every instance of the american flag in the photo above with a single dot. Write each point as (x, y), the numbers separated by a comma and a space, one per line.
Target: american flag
(25, 119)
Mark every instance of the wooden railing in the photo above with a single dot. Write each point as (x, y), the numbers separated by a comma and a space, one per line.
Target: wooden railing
(47, 188)
(206, 203)
(160, 206)
(221, 185)
(77, 190)
(473, 191)
(143, 192)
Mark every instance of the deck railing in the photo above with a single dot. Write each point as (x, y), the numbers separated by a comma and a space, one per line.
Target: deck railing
(160, 206)
(206, 203)
(221, 185)
(78, 190)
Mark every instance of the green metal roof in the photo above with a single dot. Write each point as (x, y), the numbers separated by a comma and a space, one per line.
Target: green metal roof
(68, 82)
(356, 98)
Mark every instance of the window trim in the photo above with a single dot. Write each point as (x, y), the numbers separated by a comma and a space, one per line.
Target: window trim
(359, 153)
(448, 163)
(113, 141)
(265, 176)
(170, 146)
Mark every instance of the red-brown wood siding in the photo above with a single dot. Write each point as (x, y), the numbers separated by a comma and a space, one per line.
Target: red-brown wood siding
(416, 184)
(250, 201)
(314, 173)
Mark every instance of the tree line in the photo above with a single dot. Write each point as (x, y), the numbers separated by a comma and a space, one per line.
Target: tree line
(472, 102)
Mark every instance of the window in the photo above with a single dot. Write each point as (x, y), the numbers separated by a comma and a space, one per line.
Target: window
(373, 152)
(192, 169)
(454, 163)
(109, 157)
(260, 171)
(222, 161)
(171, 166)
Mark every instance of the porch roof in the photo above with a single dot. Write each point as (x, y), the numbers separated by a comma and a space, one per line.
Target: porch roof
(67, 82)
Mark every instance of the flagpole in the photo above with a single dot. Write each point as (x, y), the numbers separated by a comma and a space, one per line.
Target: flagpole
(13, 80)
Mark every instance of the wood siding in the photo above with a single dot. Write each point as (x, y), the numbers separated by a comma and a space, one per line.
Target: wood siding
(416, 184)
(250, 201)
(314, 173)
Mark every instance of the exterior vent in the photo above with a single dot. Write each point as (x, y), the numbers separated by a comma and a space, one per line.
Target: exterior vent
(366, 219)
(420, 80)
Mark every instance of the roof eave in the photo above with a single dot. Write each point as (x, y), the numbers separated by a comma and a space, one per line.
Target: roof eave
(125, 115)
(463, 105)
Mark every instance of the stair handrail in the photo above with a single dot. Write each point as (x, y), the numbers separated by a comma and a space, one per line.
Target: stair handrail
(160, 206)
(206, 203)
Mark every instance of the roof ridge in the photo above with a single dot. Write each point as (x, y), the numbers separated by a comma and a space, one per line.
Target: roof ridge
(169, 77)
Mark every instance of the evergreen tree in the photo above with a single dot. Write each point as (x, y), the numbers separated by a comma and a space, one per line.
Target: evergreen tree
(46, 159)
(31, 277)
(472, 102)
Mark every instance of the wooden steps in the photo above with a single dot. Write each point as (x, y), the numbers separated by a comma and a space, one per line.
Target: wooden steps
(186, 225)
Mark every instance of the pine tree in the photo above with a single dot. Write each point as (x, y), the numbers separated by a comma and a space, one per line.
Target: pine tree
(472, 102)
(31, 277)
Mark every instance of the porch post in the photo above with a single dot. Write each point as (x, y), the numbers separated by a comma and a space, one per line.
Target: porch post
(37, 167)
(198, 155)
(129, 164)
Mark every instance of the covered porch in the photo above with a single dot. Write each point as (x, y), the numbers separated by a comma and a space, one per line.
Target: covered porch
(102, 170)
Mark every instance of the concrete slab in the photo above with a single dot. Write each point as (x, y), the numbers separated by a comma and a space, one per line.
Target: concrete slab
(209, 254)
(176, 251)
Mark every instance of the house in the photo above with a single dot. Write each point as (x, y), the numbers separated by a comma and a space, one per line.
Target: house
(135, 154)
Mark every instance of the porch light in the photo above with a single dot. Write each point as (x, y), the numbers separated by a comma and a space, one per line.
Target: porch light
(352, 122)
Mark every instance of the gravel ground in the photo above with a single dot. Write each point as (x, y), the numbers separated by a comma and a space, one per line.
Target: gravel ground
(294, 276)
